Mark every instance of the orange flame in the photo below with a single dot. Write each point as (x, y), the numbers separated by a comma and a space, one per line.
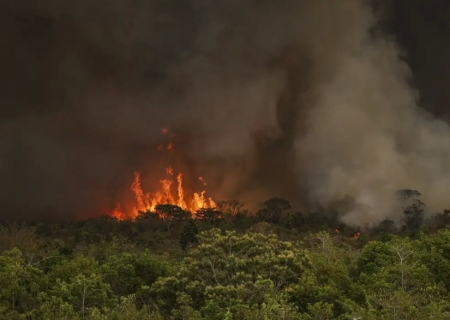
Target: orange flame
(356, 235)
(147, 202)
(118, 213)
(181, 202)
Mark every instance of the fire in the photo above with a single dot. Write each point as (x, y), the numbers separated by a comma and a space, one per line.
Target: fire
(148, 201)
(356, 235)
(171, 192)
(181, 202)
(118, 213)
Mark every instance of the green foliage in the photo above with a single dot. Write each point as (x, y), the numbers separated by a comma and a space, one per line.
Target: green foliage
(222, 273)
(20, 284)
(278, 264)
(133, 274)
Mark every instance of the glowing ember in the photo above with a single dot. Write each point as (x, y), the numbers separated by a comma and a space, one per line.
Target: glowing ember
(201, 179)
(168, 194)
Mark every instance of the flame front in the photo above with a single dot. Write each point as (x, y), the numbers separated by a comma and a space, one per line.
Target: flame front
(147, 202)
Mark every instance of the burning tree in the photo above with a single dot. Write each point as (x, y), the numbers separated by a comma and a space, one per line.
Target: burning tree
(169, 213)
(209, 215)
(172, 194)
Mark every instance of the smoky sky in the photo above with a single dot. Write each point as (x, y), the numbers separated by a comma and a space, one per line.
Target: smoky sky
(309, 100)
(422, 31)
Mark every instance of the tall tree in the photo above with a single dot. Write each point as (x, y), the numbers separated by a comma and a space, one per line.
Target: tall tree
(413, 209)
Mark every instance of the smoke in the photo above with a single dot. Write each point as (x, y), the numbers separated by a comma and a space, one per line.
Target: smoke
(307, 100)
(366, 136)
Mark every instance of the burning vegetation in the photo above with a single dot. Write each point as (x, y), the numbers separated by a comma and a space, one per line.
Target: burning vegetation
(172, 192)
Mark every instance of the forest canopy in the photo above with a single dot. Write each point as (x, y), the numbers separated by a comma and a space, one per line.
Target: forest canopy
(228, 263)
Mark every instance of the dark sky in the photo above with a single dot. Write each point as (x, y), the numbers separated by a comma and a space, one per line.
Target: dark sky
(422, 29)
(85, 89)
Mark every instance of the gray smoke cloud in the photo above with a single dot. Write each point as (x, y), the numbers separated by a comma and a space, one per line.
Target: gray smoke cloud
(307, 100)
(366, 136)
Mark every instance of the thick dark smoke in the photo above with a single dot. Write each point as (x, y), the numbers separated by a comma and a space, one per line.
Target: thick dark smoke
(309, 100)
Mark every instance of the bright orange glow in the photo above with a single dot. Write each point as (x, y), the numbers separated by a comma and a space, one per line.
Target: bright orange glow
(148, 201)
(356, 235)
(181, 202)
(168, 194)
(118, 213)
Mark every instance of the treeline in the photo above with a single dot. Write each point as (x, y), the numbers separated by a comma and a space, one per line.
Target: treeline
(228, 264)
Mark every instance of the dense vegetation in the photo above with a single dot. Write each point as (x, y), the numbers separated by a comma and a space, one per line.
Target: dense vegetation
(227, 264)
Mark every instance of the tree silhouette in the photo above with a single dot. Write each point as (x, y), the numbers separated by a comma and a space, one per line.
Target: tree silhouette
(169, 213)
(209, 215)
(188, 234)
(412, 207)
(273, 210)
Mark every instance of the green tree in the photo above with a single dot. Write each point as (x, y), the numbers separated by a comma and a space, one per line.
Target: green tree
(398, 284)
(222, 272)
(328, 281)
(84, 292)
(20, 284)
(133, 274)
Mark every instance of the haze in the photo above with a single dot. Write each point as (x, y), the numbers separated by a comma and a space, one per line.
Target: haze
(315, 101)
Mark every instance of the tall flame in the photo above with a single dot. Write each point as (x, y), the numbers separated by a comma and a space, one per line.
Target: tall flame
(181, 202)
(147, 202)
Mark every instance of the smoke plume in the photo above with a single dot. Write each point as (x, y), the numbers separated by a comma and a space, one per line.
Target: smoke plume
(308, 100)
